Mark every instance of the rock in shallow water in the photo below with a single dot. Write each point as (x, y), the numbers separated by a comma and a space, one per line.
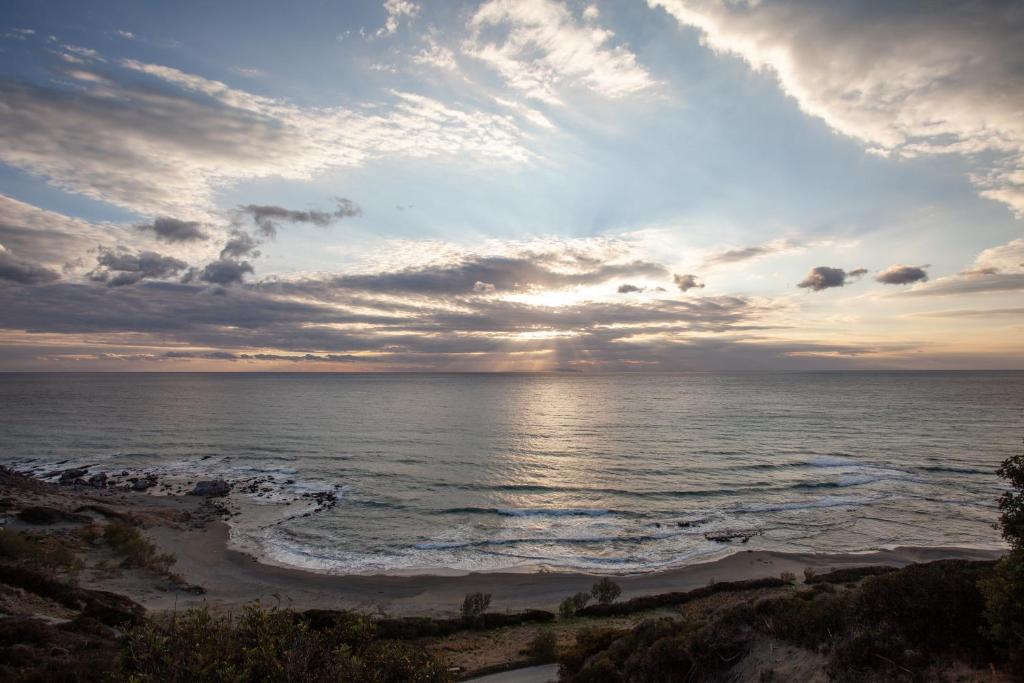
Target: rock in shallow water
(214, 487)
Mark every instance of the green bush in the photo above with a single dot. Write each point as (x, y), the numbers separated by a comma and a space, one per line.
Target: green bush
(43, 553)
(198, 646)
(605, 591)
(1004, 606)
(573, 604)
(543, 648)
(807, 619)
(1004, 589)
(475, 604)
(136, 550)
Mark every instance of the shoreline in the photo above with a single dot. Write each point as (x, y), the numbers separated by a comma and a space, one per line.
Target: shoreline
(232, 577)
(193, 530)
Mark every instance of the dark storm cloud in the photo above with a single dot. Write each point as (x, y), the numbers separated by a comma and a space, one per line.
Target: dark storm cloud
(687, 282)
(174, 230)
(240, 244)
(224, 271)
(629, 289)
(23, 272)
(121, 267)
(902, 275)
(824, 277)
(503, 273)
(268, 217)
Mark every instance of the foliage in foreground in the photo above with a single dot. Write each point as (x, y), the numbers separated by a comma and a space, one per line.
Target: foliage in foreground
(270, 645)
(892, 627)
(1004, 589)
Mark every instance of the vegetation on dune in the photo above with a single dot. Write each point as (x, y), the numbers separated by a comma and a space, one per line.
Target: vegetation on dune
(136, 550)
(891, 624)
(271, 645)
(573, 604)
(38, 552)
(543, 648)
(475, 604)
(1004, 589)
(605, 591)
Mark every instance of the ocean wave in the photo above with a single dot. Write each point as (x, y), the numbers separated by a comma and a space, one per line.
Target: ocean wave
(956, 470)
(549, 540)
(826, 502)
(533, 512)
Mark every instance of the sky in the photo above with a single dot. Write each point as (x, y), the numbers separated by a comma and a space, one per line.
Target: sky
(527, 185)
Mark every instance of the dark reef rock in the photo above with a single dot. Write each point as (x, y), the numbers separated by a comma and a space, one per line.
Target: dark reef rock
(210, 488)
(73, 475)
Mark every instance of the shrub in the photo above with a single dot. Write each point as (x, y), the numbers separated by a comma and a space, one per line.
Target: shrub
(543, 648)
(573, 604)
(788, 577)
(267, 645)
(935, 606)
(847, 575)
(605, 591)
(809, 574)
(806, 621)
(46, 553)
(1004, 589)
(1004, 605)
(1011, 503)
(136, 550)
(475, 604)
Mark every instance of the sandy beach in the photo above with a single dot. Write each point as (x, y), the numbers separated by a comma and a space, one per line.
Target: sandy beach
(193, 531)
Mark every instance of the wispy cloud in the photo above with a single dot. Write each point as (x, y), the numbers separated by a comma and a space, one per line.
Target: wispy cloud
(540, 47)
(927, 79)
(166, 147)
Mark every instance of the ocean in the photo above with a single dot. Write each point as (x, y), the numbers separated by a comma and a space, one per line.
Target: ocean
(602, 473)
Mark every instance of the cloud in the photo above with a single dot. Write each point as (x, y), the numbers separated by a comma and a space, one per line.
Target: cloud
(629, 289)
(687, 282)
(437, 56)
(824, 277)
(514, 273)
(539, 47)
(47, 237)
(240, 244)
(396, 11)
(922, 79)
(739, 254)
(224, 271)
(269, 217)
(1005, 257)
(997, 269)
(973, 284)
(160, 141)
(174, 230)
(23, 272)
(902, 275)
(121, 267)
